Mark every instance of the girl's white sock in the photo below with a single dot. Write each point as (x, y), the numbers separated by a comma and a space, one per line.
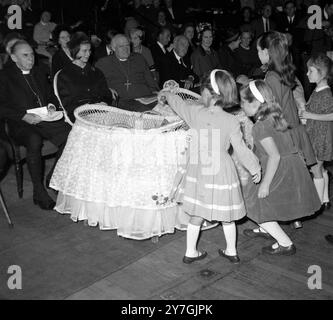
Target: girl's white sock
(192, 236)
(274, 229)
(326, 198)
(230, 233)
(320, 185)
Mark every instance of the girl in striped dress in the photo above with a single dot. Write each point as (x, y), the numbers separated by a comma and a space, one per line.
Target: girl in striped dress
(210, 188)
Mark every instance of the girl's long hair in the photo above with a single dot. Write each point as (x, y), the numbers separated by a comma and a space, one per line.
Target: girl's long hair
(280, 59)
(270, 109)
(228, 96)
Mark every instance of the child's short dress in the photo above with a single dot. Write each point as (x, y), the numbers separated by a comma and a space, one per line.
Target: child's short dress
(284, 96)
(208, 185)
(292, 192)
(321, 132)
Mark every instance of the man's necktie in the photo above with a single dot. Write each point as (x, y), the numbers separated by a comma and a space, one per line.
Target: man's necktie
(266, 26)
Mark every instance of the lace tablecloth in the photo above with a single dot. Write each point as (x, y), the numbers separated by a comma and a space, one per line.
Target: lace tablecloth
(121, 180)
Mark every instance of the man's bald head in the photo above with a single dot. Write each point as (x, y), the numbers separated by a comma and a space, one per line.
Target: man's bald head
(120, 44)
(181, 45)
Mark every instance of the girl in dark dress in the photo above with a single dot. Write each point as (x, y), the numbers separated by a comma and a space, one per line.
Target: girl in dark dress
(286, 192)
(319, 115)
(62, 57)
(79, 83)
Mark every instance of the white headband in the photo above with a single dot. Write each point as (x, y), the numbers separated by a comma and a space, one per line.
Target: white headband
(256, 92)
(213, 81)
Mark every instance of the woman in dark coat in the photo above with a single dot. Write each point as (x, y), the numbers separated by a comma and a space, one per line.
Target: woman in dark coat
(205, 59)
(79, 83)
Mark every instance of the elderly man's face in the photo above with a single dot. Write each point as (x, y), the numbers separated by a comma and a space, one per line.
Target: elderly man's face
(46, 17)
(181, 47)
(246, 39)
(24, 57)
(122, 49)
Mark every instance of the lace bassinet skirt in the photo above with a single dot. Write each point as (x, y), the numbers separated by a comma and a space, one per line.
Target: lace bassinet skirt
(121, 180)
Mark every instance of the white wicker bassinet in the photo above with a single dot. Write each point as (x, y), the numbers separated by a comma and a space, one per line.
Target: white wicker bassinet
(111, 118)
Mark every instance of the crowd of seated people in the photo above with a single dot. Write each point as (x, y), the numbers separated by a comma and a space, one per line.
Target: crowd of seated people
(156, 43)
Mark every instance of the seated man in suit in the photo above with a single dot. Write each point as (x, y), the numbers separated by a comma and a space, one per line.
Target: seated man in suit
(159, 48)
(175, 68)
(22, 87)
(105, 49)
(128, 74)
(264, 23)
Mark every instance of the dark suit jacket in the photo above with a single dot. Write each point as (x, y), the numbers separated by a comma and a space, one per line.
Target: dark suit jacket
(258, 26)
(100, 53)
(284, 26)
(59, 61)
(158, 56)
(178, 12)
(15, 95)
(172, 70)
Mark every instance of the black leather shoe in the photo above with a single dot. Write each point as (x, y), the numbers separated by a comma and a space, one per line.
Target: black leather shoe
(47, 205)
(329, 239)
(327, 206)
(297, 225)
(188, 260)
(232, 259)
(280, 251)
(251, 234)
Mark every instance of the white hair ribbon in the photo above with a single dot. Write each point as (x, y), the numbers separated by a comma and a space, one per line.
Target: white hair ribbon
(256, 92)
(213, 81)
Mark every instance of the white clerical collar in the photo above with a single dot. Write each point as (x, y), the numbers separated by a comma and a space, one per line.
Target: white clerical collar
(43, 23)
(123, 60)
(322, 88)
(161, 46)
(25, 72)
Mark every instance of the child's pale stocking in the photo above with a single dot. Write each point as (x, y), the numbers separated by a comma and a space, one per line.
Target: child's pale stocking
(230, 233)
(320, 186)
(326, 198)
(274, 229)
(192, 236)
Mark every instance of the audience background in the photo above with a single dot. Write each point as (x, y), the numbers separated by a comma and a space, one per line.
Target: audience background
(228, 20)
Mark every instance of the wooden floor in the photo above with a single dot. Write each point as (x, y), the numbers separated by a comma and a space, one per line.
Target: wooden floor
(63, 260)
